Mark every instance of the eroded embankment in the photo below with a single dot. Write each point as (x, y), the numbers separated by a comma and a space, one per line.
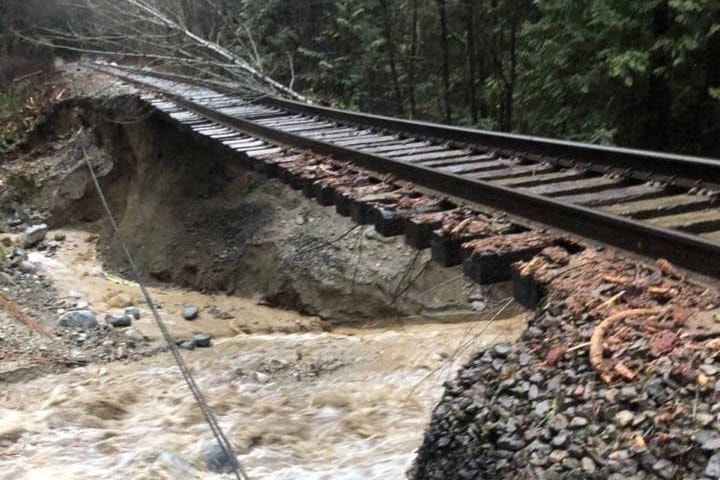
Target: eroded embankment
(193, 215)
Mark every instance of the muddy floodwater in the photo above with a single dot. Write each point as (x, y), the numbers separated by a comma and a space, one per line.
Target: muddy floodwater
(297, 401)
(348, 404)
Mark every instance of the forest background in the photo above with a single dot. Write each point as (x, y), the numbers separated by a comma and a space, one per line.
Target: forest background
(640, 73)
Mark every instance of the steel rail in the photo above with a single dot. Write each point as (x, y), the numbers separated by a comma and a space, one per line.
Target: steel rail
(682, 170)
(691, 252)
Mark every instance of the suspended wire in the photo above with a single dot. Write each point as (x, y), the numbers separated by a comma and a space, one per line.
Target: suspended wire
(210, 418)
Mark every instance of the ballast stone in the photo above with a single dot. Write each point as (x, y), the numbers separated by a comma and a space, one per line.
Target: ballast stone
(78, 319)
(713, 467)
(33, 235)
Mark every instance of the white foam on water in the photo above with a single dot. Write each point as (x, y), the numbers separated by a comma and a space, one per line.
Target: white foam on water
(361, 420)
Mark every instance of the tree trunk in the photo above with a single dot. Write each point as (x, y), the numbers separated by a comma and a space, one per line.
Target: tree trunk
(471, 60)
(389, 42)
(413, 59)
(510, 87)
(446, 60)
(705, 121)
(658, 93)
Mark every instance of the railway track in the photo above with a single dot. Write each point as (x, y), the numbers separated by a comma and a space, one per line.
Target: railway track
(655, 204)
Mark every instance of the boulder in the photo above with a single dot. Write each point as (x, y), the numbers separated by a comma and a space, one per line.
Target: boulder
(78, 319)
(218, 461)
(178, 467)
(117, 299)
(201, 340)
(190, 313)
(134, 335)
(27, 267)
(33, 235)
(118, 320)
(6, 279)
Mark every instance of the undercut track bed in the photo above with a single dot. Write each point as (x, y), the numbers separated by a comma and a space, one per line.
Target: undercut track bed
(370, 168)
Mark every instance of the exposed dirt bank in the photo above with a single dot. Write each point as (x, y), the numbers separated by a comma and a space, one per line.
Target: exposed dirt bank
(194, 217)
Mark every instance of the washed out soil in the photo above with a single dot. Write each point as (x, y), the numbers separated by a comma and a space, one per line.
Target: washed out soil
(194, 216)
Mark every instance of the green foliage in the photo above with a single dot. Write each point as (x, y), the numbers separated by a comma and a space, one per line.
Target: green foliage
(11, 100)
(11, 97)
(605, 71)
(24, 185)
(643, 74)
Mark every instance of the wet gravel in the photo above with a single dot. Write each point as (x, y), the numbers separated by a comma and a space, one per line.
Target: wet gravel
(31, 341)
(540, 408)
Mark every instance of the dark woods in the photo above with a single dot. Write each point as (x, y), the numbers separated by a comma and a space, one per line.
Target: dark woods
(643, 74)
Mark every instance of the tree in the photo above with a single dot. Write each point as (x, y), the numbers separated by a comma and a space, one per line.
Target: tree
(442, 11)
(641, 74)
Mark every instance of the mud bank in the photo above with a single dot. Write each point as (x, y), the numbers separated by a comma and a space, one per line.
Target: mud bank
(194, 216)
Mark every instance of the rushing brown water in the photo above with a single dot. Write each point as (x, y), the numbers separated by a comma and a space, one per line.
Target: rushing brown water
(297, 402)
(343, 405)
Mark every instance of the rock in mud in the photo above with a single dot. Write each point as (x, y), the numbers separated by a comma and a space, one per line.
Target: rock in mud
(190, 313)
(116, 299)
(187, 345)
(134, 335)
(81, 304)
(218, 461)
(372, 234)
(78, 319)
(133, 312)
(33, 235)
(201, 340)
(118, 320)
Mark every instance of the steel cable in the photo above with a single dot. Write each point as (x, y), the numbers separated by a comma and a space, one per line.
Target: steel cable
(210, 418)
